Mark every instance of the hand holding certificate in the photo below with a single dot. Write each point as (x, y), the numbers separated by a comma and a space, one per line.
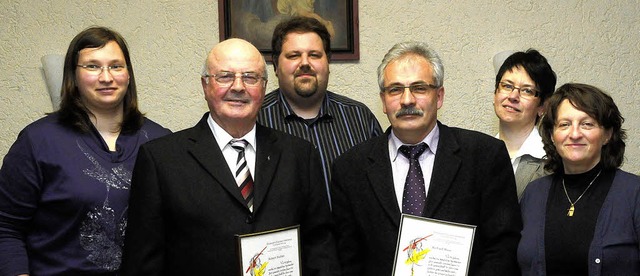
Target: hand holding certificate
(433, 247)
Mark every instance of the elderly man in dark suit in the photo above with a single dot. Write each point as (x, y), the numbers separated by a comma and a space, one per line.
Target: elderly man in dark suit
(193, 191)
(425, 168)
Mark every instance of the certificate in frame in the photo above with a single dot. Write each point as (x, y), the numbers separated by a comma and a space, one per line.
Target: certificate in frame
(433, 247)
(274, 252)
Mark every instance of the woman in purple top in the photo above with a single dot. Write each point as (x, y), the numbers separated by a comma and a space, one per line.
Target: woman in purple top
(64, 184)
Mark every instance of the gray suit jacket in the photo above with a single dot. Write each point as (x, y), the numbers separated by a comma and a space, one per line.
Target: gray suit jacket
(529, 169)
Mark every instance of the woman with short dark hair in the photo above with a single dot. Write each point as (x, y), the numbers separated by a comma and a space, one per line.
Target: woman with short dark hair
(523, 83)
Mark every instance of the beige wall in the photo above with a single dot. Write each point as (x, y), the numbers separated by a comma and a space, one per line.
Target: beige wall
(590, 41)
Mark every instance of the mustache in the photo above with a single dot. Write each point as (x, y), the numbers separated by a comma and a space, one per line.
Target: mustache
(304, 69)
(410, 110)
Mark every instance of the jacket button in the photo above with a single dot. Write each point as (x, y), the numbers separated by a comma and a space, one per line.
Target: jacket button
(597, 260)
(249, 219)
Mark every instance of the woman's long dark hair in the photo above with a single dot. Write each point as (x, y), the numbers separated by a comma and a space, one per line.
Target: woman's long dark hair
(73, 112)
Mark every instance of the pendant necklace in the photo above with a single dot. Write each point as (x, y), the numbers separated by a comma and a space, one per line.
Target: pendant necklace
(572, 208)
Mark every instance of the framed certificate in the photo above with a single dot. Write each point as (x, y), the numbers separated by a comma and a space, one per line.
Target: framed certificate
(275, 252)
(433, 247)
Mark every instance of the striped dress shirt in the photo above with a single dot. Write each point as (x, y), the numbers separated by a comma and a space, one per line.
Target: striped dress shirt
(341, 124)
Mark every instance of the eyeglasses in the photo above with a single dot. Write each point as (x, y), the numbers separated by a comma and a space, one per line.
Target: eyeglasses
(416, 89)
(525, 92)
(226, 79)
(97, 69)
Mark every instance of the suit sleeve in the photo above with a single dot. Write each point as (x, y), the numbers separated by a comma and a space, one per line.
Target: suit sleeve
(348, 238)
(144, 239)
(501, 220)
(319, 248)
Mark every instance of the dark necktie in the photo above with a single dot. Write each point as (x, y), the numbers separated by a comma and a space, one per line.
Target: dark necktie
(242, 174)
(414, 196)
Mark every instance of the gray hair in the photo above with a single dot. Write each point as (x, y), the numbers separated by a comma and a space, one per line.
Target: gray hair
(417, 48)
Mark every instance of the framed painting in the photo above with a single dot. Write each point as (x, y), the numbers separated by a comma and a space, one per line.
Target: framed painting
(254, 20)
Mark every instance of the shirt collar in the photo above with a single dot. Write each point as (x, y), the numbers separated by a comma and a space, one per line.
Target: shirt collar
(431, 140)
(223, 137)
(532, 146)
(288, 111)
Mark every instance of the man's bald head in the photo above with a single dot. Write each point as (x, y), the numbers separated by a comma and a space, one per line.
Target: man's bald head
(231, 49)
(234, 84)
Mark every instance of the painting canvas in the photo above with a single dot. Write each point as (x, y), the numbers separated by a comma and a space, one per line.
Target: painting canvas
(254, 20)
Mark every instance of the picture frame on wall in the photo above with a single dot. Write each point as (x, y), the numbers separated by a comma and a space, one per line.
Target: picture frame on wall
(255, 20)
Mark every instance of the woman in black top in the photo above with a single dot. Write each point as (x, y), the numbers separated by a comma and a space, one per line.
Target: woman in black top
(584, 218)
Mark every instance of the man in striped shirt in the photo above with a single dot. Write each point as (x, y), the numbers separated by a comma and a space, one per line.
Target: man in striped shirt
(302, 106)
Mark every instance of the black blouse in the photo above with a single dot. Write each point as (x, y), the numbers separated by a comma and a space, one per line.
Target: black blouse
(567, 238)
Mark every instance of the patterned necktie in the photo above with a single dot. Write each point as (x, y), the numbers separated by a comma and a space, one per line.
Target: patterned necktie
(414, 196)
(243, 176)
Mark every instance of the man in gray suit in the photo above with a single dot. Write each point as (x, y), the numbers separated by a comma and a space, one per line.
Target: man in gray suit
(425, 168)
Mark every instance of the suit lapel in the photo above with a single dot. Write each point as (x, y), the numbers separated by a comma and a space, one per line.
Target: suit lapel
(380, 177)
(267, 156)
(205, 151)
(445, 167)
(526, 171)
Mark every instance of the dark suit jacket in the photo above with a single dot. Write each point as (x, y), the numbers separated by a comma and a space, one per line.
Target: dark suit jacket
(185, 206)
(472, 183)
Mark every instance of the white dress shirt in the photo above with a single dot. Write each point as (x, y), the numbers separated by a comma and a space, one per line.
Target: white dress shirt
(532, 146)
(231, 155)
(400, 163)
